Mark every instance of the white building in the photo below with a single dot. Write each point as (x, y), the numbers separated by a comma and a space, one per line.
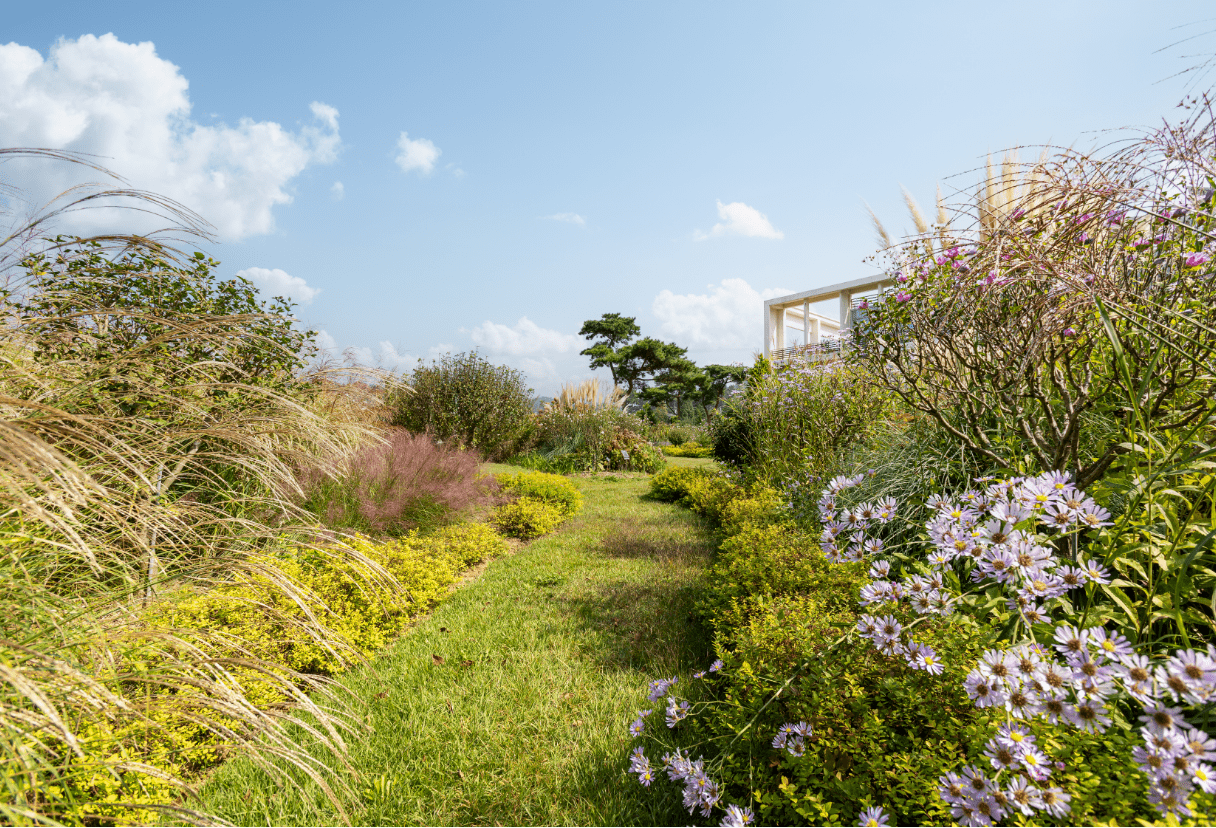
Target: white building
(820, 333)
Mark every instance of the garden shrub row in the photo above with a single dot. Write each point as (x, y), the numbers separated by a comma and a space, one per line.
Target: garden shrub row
(782, 619)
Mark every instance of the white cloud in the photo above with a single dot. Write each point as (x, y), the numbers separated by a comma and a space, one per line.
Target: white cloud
(571, 218)
(122, 102)
(738, 219)
(730, 316)
(280, 283)
(338, 191)
(385, 355)
(419, 154)
(525, 338)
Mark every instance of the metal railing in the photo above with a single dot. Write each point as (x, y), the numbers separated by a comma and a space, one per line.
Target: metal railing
(827, 349)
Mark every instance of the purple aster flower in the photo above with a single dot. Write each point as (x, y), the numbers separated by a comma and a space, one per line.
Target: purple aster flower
(873, 817)
(1000, 755)
(1200, 746)
(952, 788)
(716, 666)
(1196, 259)
(1036, 763)
(737, 817)
(1055, 801)
(1160, 719)
(1024, 796)
(1203, 777)
(983, 691)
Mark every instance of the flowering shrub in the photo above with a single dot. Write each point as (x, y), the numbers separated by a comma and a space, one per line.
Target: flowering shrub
(1018, 540)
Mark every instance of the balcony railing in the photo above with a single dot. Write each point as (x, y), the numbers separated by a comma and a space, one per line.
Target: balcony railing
(827, 349)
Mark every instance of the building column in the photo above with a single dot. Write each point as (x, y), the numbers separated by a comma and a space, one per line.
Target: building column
(846, 310)
(814, 331)
(806, 324)
(768, 331)
(780, 319)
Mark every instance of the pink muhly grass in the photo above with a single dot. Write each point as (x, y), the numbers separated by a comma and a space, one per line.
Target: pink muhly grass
(397, 485)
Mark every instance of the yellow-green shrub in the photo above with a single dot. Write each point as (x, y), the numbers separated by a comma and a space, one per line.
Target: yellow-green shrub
(689, 450)
(672, 484)
(761, 506)
(550, 488)
(527, 518)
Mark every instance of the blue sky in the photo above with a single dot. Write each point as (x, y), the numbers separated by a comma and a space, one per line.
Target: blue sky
(450, 176)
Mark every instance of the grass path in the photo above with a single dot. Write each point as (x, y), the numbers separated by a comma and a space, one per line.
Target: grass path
(508, 705)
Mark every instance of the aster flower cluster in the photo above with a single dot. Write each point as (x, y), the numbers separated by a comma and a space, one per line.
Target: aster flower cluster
(700, 791)
(998, 531)
(1002, 534)
(792, 737)
(1075, 684)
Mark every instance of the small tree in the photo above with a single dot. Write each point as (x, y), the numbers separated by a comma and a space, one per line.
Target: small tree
(614, 330)
(465, 398)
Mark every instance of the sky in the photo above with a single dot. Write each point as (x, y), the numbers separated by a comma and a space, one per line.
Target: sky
(425, 178)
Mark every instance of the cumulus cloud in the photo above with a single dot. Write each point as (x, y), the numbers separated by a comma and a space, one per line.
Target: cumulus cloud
(570, 218)
(738, 219)
(338, 191)
(419, 154)
(280, 283)
(526, 337)
(385, 355)
(127, 105)
(729, 316)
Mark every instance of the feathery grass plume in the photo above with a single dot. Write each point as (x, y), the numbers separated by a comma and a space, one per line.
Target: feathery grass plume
(150, 425)
(589, 395)
(918, 218)
(884, 239)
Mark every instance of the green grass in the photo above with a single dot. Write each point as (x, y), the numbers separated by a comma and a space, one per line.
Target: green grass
(545, 659)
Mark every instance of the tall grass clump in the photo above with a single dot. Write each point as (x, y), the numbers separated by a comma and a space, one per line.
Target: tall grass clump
(152, 420)
(586, 429)
(465, 399)
(389, 486)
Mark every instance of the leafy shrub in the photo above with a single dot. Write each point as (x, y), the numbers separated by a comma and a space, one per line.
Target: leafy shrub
(672, 483)
(390, 486)
(468, 400)
(688, 450)
(732, 433)
(527, 518)
(550, 488)
(803, 417)
(643, 457)
(591, 440)
(678, 433)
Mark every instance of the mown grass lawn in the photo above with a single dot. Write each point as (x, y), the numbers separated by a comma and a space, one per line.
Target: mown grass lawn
(509, 704)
